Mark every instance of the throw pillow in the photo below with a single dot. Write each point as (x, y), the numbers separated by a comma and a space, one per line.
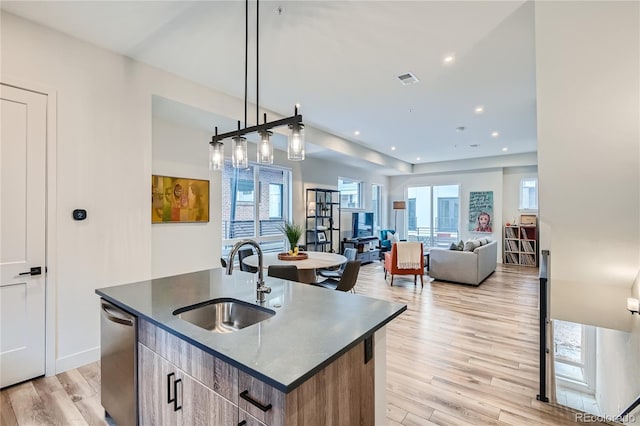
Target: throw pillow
(395, 238)
(471, 245)
(453, 246)
(461, 245)
(389, 235)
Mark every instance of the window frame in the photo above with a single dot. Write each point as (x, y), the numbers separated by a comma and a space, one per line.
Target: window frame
(521, 188)
(271, 242)
(434, 237)
(376, 205)
(360, 187)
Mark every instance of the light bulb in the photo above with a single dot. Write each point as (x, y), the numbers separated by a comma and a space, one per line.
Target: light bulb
(239, 157)
(295, 149)
(216, 155)
(265, 148)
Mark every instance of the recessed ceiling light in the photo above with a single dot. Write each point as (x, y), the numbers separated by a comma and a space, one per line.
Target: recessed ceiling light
(505, 149)
(449, 59)
(474, 145)
(417, 158)
(495, 134)
(357, 132)
(393, 148)
(479, 109)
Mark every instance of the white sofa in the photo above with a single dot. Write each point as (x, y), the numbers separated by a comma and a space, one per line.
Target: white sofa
(466, 267)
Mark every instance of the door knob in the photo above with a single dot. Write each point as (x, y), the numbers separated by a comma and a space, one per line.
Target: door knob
(34, 271)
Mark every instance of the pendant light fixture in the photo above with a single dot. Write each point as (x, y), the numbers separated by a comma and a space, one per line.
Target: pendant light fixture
(265, 147)
(216, 155)
(240, 160)
(295, 147)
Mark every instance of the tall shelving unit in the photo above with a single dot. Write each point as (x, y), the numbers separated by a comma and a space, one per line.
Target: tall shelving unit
(322, 220)
(521, 244)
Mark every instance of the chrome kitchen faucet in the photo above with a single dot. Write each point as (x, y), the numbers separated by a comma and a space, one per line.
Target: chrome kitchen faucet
(261, 289)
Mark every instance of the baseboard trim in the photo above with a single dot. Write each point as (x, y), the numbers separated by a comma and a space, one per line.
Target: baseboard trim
(78, 359)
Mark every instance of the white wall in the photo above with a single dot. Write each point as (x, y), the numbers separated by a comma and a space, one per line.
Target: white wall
(511, 187)
(481, 180)
(617, 364)
(185, 247)
(617, 360)
(588, 77)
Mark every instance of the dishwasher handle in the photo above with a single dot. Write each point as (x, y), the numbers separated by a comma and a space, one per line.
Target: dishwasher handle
(113, 316)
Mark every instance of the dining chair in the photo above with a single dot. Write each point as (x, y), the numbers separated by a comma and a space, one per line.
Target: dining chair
(242, 253)
(286, 272)
(350, 254)
(348, 280)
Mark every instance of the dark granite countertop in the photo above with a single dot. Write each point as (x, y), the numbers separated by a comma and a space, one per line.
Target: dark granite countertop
(312, 326)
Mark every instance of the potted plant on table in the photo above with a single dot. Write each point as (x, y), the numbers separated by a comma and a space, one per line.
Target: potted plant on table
(293, 233)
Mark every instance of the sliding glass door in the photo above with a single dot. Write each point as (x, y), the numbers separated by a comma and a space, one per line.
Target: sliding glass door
(434, 214)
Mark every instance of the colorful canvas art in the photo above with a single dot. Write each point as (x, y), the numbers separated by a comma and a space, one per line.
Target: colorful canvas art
(481, 211)
(176, 199)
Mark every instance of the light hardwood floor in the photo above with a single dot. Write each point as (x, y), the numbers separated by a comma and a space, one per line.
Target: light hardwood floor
(459, 355)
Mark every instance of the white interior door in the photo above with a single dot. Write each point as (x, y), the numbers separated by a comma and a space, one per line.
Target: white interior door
(22, 234)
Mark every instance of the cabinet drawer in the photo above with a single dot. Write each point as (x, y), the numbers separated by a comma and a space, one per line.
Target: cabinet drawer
(212, 372)
(260, 400)
(248, 419)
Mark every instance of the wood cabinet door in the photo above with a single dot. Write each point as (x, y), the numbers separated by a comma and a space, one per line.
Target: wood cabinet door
(161, 382)
(153, 384)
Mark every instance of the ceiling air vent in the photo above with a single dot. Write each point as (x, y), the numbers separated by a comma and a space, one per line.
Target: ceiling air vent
(407, 79)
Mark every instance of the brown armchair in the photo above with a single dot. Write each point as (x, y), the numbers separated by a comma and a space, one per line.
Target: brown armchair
(391, 264)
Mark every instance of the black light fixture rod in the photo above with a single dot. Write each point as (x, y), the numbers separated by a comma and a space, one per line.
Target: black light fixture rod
(246, 56)
(294, 119)
(257, 62)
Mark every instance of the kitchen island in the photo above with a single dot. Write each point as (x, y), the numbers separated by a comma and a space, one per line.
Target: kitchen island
(319, 360)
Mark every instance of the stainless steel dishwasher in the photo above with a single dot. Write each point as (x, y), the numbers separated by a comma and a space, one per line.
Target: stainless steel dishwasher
(118, 349)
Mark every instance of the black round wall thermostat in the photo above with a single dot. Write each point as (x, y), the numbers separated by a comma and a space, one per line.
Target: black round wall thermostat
(79, 214)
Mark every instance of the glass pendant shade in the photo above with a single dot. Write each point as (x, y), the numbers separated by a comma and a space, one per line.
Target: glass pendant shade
(295, 149)
(239, 156)
(216, 155)
(265, 148)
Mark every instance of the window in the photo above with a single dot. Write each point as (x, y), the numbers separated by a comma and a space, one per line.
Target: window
(244, 191)
(529, 194)
(433, 214)
(574, 355)
(275, 200)
(255, 204)
(350, 193)
(376, 207)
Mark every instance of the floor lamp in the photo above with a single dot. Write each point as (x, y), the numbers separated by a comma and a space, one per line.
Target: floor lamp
(398, 205)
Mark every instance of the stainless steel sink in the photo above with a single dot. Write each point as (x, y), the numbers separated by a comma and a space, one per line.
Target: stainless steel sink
(224, 315)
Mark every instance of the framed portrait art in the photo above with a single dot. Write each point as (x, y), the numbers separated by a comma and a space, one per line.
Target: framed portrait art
(322, 237)
(175, 199)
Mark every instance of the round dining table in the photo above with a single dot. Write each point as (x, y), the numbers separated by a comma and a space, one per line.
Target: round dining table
(306, 267)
